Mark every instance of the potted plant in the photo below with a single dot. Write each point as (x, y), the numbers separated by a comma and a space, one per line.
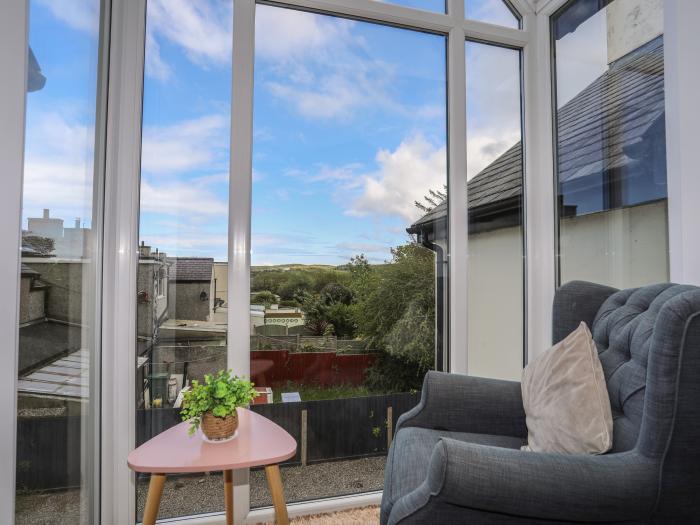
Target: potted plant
(212, 405)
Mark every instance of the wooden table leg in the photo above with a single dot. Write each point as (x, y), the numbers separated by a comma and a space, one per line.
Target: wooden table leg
(228, 495)
(155, 491)
(274, 481)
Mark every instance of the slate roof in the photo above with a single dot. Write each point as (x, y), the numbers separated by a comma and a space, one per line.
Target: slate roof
(598, 129)
(192, 269)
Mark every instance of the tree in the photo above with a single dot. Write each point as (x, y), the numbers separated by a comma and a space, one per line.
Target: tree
(336, 293)
(330, 313)
(297, 282)
(265, 297)
(395, 313)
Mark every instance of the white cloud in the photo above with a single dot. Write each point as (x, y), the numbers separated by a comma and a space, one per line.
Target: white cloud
(404, 176)
(285, 35)
(582, 56)
(78, 14)
(197, 143)
(186, 199)
(493, 96)
(156, 67)
(202, 29)
(58, 167)
(491, 11)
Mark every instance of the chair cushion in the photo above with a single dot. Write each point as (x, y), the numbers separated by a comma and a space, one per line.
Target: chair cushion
(566, 400)
(407, 464)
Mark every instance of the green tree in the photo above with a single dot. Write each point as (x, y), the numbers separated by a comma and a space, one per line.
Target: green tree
(265, 297)
(297, 282)
(394, 313)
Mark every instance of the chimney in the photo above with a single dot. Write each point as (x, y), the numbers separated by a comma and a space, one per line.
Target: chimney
(46, 213)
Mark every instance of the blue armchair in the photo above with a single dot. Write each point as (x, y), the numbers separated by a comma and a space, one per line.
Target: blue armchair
(456, 456)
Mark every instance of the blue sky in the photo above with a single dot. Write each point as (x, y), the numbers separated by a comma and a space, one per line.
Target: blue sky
(349, 126)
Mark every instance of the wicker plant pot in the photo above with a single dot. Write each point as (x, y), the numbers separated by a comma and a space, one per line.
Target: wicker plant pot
(219, 428)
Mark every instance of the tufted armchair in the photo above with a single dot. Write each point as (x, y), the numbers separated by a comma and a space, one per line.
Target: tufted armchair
(456, 459)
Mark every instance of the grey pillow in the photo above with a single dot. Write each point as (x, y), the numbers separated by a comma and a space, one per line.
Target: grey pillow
(566, 399)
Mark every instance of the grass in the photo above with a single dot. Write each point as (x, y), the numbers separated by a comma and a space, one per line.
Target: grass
(316, 392)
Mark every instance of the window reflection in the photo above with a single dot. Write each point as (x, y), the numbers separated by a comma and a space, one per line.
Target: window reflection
(611, 157)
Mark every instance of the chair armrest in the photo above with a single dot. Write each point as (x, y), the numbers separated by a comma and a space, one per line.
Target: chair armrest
(460, 403)
(607, 488)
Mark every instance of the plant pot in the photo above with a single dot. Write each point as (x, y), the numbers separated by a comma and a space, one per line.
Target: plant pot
(219, 428)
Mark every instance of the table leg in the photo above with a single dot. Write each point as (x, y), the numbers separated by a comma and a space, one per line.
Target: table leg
(274, 481)
(228, 495)
(155, 491)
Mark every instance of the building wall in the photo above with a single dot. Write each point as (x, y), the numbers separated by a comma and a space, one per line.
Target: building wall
(632, 23)
(221, 279)
(64, 298)
(31, 306)
(622, 248)
(184, 300)
(495, 304)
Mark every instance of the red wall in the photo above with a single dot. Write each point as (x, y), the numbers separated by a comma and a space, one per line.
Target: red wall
(275, 368)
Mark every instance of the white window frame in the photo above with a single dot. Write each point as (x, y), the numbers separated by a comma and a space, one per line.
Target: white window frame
(122, 150)
(122, 185)
(13, 37)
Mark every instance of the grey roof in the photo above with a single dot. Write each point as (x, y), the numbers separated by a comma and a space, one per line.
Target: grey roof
(191, 268)
(596, 128)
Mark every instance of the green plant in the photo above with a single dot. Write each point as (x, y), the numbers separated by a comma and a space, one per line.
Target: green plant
(220, 395)
(376, 431)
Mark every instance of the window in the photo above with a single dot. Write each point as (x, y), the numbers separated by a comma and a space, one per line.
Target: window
(611, 156)
(495, 193)
(426, 5)
(348, 239)
(497, 12)
(60, 226)
(181, 312)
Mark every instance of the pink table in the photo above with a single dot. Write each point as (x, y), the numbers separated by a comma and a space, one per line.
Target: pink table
(259, 442)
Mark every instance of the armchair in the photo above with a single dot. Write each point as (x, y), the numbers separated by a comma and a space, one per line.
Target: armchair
(456, 456)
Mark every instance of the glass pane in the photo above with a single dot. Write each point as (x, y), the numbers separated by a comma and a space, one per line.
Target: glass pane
(495, 190)
(55, 445)
(425, 5)
(181, 293)
(492, 11)
(348, 238)
(611, 146)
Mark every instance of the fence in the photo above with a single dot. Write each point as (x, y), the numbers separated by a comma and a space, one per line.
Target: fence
(278, 367)
(334, 429)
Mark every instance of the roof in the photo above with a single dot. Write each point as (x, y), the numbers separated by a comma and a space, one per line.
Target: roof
(598, 130)
(194, 269)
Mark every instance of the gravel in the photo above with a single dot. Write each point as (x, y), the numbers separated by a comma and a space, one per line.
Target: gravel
(203, 493)
(198, 494)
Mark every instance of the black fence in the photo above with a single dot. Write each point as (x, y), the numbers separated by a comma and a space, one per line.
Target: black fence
(335, 429)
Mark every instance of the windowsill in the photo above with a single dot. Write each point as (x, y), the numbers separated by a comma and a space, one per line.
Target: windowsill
(267, 514)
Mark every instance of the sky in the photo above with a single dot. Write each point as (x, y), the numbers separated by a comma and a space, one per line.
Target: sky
(349, 125)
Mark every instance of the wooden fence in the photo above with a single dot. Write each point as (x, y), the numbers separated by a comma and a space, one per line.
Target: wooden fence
(48, 448)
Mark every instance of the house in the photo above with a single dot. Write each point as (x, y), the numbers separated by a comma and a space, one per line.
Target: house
(612, 173)
(191, 288)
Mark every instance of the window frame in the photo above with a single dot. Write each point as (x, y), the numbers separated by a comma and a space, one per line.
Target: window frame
(124, 43)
